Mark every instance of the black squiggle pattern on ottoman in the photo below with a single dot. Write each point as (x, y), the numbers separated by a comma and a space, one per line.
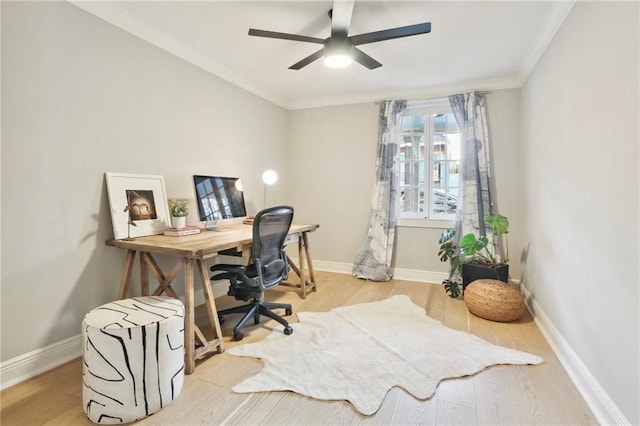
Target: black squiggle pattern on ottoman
(133, 358)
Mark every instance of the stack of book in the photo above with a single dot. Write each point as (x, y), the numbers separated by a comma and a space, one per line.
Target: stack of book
(181, 232)
(248, 220)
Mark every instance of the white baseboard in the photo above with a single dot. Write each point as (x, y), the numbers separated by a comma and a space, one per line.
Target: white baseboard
(419, 276)
(26, 366)
(600, 403)
(38, 361)
(327, 266)
(398, 273)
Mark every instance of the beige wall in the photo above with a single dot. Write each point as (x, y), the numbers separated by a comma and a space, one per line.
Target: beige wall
(580, 127)
(333, 151)
(79, 98)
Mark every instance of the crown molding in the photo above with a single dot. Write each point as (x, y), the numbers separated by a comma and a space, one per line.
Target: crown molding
(554, 19)
(556, 15)
(410, 94)
(115, 15)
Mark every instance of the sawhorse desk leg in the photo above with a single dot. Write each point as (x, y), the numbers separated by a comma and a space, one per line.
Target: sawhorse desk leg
(210, 303)
(304, 255)
(191, 330)
(126, 274)
(312, 277)
(189, 319)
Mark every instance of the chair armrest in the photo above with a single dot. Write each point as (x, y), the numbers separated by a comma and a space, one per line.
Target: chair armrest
(235, 273)
(236, 269)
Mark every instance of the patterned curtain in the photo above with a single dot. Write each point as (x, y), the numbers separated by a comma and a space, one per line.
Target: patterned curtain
(373, 261)
(475, 168)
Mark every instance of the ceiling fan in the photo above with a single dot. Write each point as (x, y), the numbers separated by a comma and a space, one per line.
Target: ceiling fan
(339, 49)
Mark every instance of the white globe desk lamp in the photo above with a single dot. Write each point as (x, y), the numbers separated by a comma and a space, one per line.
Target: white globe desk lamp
(269, 177)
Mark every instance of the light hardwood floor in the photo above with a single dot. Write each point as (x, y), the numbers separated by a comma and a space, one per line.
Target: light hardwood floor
(506, 395)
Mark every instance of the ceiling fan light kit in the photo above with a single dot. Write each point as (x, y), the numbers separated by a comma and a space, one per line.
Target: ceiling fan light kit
(339, 50)
(338, 60)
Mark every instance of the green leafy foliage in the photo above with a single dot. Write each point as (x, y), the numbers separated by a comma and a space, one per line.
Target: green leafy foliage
(452, 288)
(447, 249)
(447, 235)
(178, 208)
(499, 224)
(471, 249)
(470, 245)
(480, 249)
(449, 253)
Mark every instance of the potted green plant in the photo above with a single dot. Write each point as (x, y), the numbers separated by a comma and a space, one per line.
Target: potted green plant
(179, 209)
(475, 257)
(449, 253)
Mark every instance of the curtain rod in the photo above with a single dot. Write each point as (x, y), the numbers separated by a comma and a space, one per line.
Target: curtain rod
(482, 92)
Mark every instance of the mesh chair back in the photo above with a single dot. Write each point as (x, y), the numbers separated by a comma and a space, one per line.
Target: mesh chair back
(270, 228)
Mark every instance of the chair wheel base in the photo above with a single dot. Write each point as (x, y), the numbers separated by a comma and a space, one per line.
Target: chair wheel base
(288, 311)
(237, 336)
(288, 330)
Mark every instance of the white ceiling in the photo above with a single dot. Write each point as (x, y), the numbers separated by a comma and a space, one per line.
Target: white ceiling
(473, 45)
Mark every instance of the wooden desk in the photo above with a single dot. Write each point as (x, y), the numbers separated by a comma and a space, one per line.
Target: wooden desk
(196, 249)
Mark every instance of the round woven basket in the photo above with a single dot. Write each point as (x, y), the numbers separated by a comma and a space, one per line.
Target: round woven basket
(494, 300)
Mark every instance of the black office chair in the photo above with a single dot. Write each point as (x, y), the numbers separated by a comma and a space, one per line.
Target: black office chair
(267, 268)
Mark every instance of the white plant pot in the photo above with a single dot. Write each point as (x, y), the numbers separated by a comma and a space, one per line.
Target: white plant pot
(178, 222)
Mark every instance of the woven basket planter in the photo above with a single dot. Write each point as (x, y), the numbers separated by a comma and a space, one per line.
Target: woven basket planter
(494, 300)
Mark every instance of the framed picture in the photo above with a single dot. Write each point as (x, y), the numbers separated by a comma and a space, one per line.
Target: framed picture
(139, 199)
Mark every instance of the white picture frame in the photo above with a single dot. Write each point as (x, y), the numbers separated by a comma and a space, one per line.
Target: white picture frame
(146, 199)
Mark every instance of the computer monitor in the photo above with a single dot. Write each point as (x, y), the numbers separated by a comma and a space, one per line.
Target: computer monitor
(218, 198)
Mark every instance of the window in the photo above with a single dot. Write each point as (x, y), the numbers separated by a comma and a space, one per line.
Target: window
(428, 162)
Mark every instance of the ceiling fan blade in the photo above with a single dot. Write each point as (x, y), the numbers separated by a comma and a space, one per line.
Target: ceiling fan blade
(341, 17)
(409, 30)
(306, 61)
(364, 59)
(284, 36)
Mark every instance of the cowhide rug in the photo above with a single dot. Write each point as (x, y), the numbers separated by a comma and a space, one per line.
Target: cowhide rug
(358, 353)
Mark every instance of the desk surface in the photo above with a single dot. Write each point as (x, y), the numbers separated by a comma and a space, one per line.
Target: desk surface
(202, 245)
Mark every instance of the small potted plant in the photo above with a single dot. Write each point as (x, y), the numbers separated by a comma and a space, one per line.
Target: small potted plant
(475, 257)
(179, 210)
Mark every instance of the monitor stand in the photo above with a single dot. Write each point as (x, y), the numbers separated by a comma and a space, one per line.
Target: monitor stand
(214, 226)
(211, 225)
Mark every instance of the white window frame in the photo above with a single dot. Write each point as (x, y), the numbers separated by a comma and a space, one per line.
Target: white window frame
(423, 220)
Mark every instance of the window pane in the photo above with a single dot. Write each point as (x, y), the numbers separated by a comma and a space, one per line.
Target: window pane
(446, 163)
(428, 164)
(444, 202)
(412, 163)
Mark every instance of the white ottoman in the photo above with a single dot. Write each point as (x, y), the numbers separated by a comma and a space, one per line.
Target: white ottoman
(133, 358)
